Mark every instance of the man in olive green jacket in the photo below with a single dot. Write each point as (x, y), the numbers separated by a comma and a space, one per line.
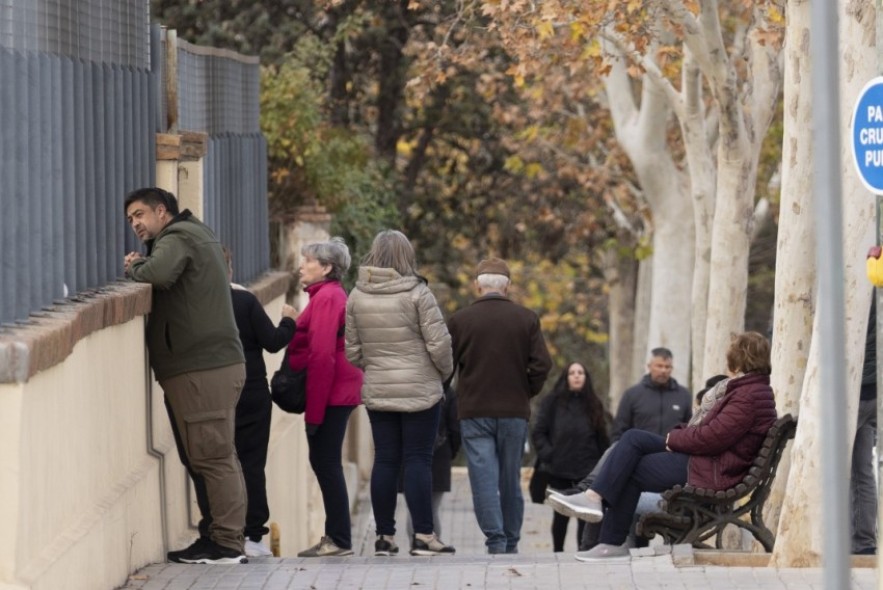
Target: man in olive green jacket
(197, 358)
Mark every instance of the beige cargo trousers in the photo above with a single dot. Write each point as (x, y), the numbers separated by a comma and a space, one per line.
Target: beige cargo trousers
(203, 404)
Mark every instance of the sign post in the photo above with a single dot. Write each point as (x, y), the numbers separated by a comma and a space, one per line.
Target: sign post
(867, 135)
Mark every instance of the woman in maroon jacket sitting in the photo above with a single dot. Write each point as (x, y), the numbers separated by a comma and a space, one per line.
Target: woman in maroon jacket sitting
(715, 454)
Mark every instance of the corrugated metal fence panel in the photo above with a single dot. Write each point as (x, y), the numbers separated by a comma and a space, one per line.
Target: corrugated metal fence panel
(219, 93)
(80, 124)
(192, 87)
(236, 200)
(159, 113)
(104, 31)
(80, 136)
(218, 90)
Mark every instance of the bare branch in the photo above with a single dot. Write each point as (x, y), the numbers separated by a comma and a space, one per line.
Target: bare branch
(461, 11)
(766, 63)
(703, 36)
(618, 85)
(651, 69)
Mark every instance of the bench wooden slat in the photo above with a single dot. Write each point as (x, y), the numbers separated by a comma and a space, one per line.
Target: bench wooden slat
(693, 515)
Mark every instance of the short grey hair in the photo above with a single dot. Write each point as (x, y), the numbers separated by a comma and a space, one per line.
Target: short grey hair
(333, 252)
(492, 282)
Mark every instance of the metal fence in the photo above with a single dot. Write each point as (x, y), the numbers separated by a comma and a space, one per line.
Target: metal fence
(236, 201)
(219, 93)
(77, 135)
(103, 31)
(80, 105)
(218, 90)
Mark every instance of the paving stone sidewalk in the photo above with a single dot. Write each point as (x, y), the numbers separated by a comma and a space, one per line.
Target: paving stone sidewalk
(535, 567)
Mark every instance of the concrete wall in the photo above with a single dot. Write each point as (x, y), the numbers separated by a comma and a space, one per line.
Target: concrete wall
(80, 488)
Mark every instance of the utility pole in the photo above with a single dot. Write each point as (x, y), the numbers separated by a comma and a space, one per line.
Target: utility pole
(827, 195)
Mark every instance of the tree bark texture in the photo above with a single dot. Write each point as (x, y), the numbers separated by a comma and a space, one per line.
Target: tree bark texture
(621, 276)
(641, 130)
(799, 537)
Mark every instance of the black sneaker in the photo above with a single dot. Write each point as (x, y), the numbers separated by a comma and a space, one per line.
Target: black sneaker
(433, 546)
(385, 546)
(175, 556)
(204, 550)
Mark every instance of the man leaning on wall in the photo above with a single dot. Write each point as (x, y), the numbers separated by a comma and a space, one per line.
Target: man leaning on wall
(197, 358)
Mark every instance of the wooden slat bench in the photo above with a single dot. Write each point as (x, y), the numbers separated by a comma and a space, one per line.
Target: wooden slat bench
(692, 515)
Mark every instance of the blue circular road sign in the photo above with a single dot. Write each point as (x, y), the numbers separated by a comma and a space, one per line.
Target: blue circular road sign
(867, 135)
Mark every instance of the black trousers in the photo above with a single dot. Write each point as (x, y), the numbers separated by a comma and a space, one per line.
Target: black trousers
(326, 456)
(559, 521)
(252, 439)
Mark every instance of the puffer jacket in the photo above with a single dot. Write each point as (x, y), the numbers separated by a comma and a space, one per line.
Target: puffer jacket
(396, 333)
(725, 444)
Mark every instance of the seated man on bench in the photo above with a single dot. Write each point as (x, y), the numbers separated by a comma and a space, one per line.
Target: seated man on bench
(722, 448)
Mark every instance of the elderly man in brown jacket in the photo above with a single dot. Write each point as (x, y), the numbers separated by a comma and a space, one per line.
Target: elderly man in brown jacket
(501, 362)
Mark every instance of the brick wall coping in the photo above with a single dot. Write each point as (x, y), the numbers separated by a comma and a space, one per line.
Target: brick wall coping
(49, 337)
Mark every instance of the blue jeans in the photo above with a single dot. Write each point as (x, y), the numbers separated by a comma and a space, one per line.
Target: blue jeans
(638, 463)
(326, 459)
(403, 444)
(494, 448)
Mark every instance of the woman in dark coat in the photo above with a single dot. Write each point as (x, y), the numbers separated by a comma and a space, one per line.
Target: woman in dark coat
(570, 435)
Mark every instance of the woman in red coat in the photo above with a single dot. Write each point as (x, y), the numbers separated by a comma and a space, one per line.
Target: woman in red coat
(333, 385)
(715, 454)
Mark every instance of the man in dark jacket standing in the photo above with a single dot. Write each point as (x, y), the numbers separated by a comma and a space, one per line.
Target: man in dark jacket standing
(197, 358)
(657, 403)
(501, 361)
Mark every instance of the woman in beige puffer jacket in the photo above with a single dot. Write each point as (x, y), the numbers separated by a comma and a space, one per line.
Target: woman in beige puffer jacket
(396, 333)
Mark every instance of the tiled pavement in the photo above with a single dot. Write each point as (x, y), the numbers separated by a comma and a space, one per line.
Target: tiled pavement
(534, 567)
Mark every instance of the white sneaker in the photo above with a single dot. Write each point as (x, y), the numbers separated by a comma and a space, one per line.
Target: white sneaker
(577, 506)
(552, 492)
(603, 551)
(257, 549)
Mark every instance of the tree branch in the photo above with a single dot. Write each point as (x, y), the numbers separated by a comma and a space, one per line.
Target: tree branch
(703, 36)
(650, 68)
(619, 90)
(766, 63)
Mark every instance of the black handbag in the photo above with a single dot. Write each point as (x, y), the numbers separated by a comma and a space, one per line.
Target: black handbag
(288, 388)
(539, 481)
